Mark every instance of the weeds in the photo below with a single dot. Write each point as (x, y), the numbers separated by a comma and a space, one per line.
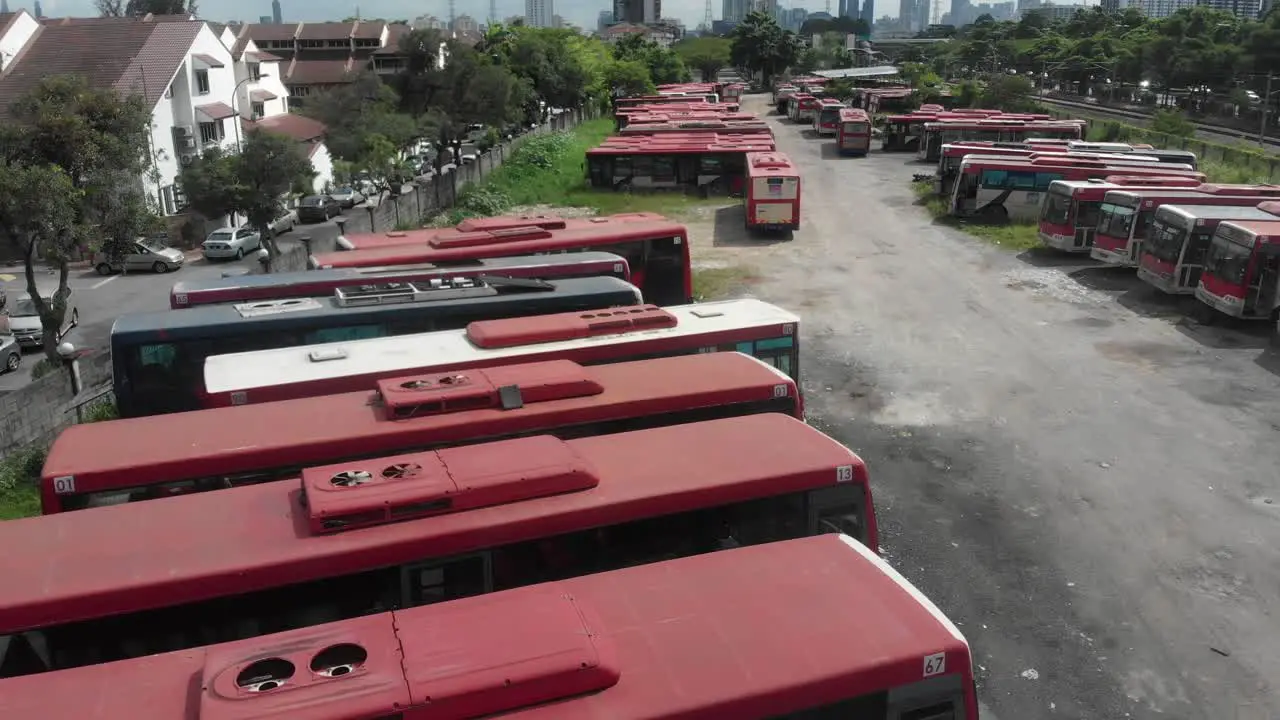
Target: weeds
(18, 494)
(1011, 236)
(717, 283)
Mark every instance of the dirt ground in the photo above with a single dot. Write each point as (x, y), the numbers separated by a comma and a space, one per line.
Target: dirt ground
(1081, 477)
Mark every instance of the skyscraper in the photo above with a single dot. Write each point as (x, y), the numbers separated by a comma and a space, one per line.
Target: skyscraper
(4, 6)
(276, 16)
(868, 12)
(38, 11)
(844, 9)
(539, 13)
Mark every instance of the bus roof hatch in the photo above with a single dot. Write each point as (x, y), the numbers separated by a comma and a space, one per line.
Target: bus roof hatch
(411, 292)
(507, 387)
(367, 493)
(489, 237)
(512, 332)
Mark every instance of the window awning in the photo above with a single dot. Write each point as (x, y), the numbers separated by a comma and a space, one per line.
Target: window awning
(261, 95)
(207, 61)
(215, 111)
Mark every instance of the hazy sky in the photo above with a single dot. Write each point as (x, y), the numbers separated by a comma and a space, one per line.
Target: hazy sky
(582, 12)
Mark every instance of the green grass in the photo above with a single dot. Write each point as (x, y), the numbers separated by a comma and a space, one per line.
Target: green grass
(716, 283)
(18, 471)
(1016, 236)
(549, 169)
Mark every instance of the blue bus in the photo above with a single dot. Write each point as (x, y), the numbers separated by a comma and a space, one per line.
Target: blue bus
(158, 358)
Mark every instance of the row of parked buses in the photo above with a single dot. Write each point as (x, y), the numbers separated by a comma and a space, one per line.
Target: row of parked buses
(513, 512)
(827, 117)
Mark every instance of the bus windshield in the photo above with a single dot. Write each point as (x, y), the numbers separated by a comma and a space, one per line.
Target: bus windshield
(1115, 220)
(829, 115)
(1165, 240)
(1228, 261)
(1057, 208)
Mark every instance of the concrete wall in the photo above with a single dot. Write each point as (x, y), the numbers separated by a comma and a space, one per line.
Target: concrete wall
(35, 413)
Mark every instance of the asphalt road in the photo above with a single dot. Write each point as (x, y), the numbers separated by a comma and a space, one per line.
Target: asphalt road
(101, 300)
(1078, 475)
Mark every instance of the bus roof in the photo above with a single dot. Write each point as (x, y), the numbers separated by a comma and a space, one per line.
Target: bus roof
(510, 228)
(444, 249)
(235, 320)
(1101, 186)
(238, 440)
(195, 547)
(323, 282)
(770, 164)
(1191, 213)
(1262, 232)
(546, 336)
(1133, 197)
(853, 115)
(675, 144)
(865, 629)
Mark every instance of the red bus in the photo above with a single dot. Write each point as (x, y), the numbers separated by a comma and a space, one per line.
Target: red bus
(629, 644)
(1174, 252)
(638, 100)
(772, 197)
(853, 136)
(656, 251)
(1003, 189)
(1001, 128)
(369, 536)
(708, 163)
(902, 133)
(749, 326)
(1124, 218)
(476, 230)
(1069, 213)
(803, 107)
(672, 113)
(108, 463)
(826, 120)
(733, 92)
(1241, 275)
(954, 153)
(722, 127)
(321, 283)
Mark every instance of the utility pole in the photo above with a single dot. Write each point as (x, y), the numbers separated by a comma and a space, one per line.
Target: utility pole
(1266, 108)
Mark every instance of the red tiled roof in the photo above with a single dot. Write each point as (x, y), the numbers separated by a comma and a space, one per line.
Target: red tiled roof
(326, 31)
(130, 56)
(262, 95)
(319, 72)
(365, 30)
(215, 110)
(5, 19)
(396, 31)
(259, 56)
(260, 32)
(298, 127)
(103, 20)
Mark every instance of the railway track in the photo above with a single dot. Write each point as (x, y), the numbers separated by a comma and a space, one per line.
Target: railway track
(1210, 131)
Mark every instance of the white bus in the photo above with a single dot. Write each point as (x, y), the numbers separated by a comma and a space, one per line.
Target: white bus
(752, 327)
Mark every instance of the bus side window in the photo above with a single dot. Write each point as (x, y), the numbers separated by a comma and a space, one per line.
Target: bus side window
(433, 582)
(355, 332)
(838, 509)
(875, 705)
(769, 519)
(153, 367)
(994, 178)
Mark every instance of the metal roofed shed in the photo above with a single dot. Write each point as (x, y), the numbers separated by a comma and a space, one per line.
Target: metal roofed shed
(859, 72)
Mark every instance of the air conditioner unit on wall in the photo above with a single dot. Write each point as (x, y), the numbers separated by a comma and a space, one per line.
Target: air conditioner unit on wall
(187, 158)
(182, 130)
(186, 142)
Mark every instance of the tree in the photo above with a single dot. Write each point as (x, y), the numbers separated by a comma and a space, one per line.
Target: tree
(762, 46)
(65, 147)
(268, 167)
(109, 8)
(629, 77)
(252, 183)
(665, 66)
(708, 55)
(159, 7)
(351, 112)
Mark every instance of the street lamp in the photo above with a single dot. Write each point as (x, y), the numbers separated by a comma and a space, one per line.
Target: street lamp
(235, 95)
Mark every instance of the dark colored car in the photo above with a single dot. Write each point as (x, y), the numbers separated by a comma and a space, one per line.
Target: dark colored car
(317, 208)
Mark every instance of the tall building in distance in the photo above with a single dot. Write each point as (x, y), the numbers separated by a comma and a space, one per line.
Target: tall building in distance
(735, 10)
(277, 16)
(539, 13)
(868, 12)
(1240, 8)
(637, 12)
(605, 20)
(37, 11)
(4, 7)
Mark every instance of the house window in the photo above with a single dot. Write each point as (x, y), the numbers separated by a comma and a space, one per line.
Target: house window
(259, 109)
(300, 90)
(313, 44)
(338, 44)
(202, 82)
(211, 132)
(255, 71)
(166, 200)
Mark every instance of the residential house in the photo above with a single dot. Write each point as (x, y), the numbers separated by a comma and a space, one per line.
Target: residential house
(316, 56)
(15, 30)
(181, 67)
(663, 35)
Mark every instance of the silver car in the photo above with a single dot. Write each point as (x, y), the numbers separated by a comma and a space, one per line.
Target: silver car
(285, 221)
(10, 352)
(231, 243)
(347, 197)
(145, 254)
(25, 323)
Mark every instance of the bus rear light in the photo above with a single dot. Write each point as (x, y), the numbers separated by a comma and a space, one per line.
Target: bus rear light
(386, 490)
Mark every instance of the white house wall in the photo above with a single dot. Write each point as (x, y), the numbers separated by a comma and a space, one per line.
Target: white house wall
(20, 30)
(322, 163)
(270, 81)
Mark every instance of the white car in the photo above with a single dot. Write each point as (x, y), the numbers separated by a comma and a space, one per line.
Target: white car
(347, 197)
(28, 328)
(231, 243)
(285, 221)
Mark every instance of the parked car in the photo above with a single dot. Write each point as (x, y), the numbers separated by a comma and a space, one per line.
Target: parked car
(10, 353)
(231, 243)
(318, 208)
(25, 324)
(347, 196)
(284, 221)
(144, 254)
